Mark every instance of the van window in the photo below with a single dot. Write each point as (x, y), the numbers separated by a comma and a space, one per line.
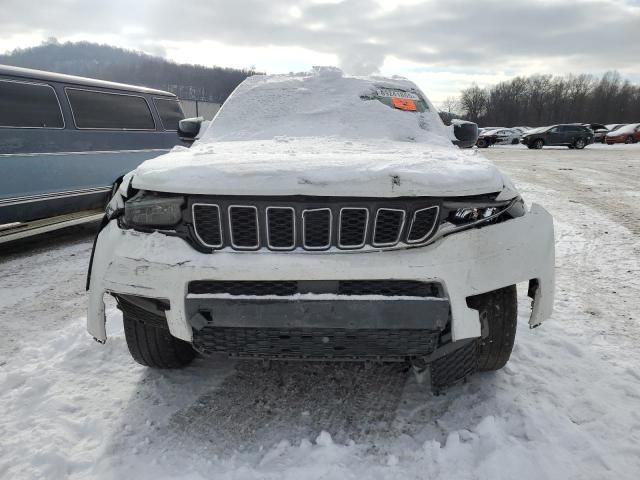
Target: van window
(170, 112)
(115, 111)
(29, 105)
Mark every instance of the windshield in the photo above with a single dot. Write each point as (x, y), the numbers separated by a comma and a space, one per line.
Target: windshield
(325, 103)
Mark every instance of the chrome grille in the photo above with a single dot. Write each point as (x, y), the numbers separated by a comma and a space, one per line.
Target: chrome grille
(353, 227)
(422, 224)
(317, 228)
(388, 227)
(243, 224)
(207, 224)
(281, 228)
(312, 223)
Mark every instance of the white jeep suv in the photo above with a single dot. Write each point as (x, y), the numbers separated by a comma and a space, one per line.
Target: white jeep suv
(322, 217)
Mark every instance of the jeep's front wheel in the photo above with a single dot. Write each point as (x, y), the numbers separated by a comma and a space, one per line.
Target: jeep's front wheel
(155, 347)
(499, 318)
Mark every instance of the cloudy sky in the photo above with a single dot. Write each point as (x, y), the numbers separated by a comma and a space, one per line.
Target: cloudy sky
(442, 45)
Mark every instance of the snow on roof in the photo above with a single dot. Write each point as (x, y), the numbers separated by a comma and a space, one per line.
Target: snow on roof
(325, 103)
(625, 129)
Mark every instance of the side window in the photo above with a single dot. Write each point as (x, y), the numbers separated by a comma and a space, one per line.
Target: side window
(102, 110)
(29, 105)
(555, 130)
(170, 112)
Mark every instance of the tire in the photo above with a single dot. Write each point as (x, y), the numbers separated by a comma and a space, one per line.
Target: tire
(579, 144)
(628, 140)
(538, 144)
(155, 347)
(482, 143)
(499, 315)
(455, 367)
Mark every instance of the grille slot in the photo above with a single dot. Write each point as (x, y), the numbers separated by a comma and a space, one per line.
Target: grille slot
(244, 287)
(315, 342)
(281, 229)
(387, 288)
(423, 224)
(388, 227)
(243, 223)
(207, 225)
(317, 228)
(353, 227)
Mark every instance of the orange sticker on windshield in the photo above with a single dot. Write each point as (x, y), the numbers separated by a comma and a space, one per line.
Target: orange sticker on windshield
(403, 103)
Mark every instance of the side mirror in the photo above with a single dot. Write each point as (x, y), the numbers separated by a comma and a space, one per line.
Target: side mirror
(189, 128)
(466, 133)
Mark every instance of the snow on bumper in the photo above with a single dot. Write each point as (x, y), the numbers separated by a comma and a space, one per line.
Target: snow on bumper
(466, 263)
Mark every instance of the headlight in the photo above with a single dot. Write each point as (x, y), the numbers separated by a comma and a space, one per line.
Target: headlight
(471, 214)
(461, 215)
(153, 210)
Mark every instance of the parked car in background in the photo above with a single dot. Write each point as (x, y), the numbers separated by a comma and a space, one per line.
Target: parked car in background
(521, 129)
(626, 134)
(614, 126)
(599, 131)
(65, 141)
(486, 129)
(569, 135)
(501, 136)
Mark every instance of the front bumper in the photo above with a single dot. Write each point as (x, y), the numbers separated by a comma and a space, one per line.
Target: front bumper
(466, 263)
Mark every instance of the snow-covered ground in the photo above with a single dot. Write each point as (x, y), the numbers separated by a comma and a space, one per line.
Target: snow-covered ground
(565, 407)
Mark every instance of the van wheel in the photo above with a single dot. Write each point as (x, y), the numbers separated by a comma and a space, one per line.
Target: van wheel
(628, 140)
(538, 144)
(482, 143)
(499, 317)
(579, 144)
(155, 347)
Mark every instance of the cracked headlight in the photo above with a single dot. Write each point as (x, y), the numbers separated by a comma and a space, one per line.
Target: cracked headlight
(462, 215)
(153, 210)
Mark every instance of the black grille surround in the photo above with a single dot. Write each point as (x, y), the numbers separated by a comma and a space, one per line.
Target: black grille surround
(309, 223)
(386, 288)
(316, 343)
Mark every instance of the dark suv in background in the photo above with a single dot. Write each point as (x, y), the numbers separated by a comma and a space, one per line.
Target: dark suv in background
(572, 136)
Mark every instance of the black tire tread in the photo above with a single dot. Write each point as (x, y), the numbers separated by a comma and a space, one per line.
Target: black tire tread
(156, 347)
(454, 367)
(501, 310)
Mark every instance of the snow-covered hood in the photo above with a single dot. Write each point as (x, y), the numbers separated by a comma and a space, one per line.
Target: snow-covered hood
(320, 166)
(625, 130)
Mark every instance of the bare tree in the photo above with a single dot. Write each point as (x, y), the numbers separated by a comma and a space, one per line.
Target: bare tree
(473, 101)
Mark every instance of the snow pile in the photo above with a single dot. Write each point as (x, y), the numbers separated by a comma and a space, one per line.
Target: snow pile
(322, 133)
(318, 166)
(323, 103)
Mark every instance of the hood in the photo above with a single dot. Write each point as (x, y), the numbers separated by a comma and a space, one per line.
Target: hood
(321, 167)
